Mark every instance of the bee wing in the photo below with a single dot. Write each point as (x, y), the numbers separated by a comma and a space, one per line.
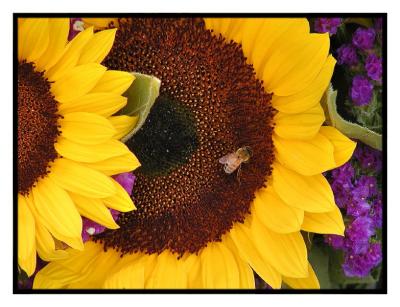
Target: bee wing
(225, 159)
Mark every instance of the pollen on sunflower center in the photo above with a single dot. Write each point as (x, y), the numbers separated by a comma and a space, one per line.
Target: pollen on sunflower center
(191, 201)
(37, 126)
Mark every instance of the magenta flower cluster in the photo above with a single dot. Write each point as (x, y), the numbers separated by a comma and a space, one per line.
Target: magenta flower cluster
(364, 64)
(361, 90)
(330, 25)
(356, 192)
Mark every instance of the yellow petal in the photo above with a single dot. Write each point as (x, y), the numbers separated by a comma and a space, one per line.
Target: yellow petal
(94, 209)
(263, 35)
(57, 211)
(168, 273)
(310, 282)
(192, 263)
(326, 222)
(343, 146)
(303, 126)
(275, 214)
(120, 200)
(33, 38)
(100, 23)
(105, 264)
(123, 124)
(90, 153)
(309, 193)
(45, 245)
(26, 237)
(240, 234)
(285, 252)
(292, 67)
(77, 82)
(78, 266)
(70, 56)
(116, 165)
(100, 45)
(130, 276)
(58, 35)
(104, 104)
(218, 267)
(310, 95)
(114, 81)
(86, 128)
(246, 274)
(308, 158)
(81, 180)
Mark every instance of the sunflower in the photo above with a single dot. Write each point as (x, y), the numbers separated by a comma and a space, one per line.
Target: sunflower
(232, 157)
(68, 142)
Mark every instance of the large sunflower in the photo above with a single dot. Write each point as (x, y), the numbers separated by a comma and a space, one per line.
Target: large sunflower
(199, 223)
(67, 139)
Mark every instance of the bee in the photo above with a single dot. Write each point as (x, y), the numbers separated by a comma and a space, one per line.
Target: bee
(233, 161)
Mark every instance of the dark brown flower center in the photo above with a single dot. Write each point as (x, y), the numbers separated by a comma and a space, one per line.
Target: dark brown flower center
(210, 105)
(37, 126)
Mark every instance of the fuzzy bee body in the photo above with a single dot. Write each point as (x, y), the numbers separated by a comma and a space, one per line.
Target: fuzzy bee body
(234, 160)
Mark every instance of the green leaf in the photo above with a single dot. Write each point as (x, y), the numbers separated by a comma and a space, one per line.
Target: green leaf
(319, 260)
(352, 130)
(141, 96)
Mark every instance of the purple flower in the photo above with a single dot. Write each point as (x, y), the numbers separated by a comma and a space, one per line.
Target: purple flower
(361, 90)
(347, 55)
(358, 234)
(358, 208)
(126, 180)
(330, 25)
(360, 265)
(342, 193)
(369, 158)
(376, 212)
(370, 183)
(364, 38)
(75, 27)
(373, 66)
(344, 174)
(337, 242)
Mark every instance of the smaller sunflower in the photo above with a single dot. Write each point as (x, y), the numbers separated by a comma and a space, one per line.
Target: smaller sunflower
(68, 140)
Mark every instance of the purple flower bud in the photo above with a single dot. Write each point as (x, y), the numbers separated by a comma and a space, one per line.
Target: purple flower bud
(347, 55)
(364, 38)
(342, 193)
(376, 212)
(323, 25)
(358, 234)
(370, 183)
(373, 66)
(361, 90)
(337, 242)
(361, 265)
(358, 208)
(369, 158)
(126, 180)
